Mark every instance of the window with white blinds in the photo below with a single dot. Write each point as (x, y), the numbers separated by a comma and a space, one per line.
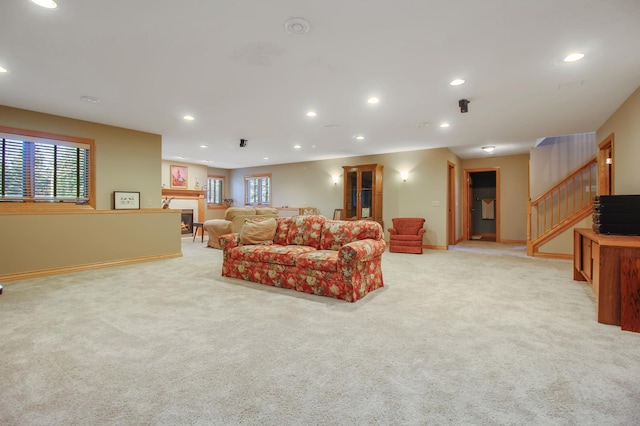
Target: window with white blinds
(44, 171)
(215, 190)
(257, 190)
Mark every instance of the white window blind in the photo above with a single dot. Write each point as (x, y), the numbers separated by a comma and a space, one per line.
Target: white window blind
(44, 171)
(215, 190)
(258, 190)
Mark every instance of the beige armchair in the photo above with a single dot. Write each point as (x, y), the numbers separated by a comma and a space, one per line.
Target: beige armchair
(234, 218)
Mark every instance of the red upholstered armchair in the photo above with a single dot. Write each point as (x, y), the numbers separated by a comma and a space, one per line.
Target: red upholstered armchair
(406, 235)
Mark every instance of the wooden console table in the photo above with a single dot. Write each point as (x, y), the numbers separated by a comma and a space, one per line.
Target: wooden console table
(597, 260)
(292, 211)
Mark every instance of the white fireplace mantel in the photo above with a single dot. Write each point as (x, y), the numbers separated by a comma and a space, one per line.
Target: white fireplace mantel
(188, 194)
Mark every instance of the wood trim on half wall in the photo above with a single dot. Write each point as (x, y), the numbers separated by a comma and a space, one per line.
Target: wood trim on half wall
(92, 266)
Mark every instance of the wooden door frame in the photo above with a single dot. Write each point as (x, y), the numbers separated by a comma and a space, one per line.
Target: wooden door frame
(466, 217)
(605, 173)
(451, 204)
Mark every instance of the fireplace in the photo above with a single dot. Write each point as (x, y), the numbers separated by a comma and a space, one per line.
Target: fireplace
(186, 223)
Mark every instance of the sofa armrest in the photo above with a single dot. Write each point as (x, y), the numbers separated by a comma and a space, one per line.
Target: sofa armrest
(229, 241)
(421, 232)
(361, 250)
(392, 231)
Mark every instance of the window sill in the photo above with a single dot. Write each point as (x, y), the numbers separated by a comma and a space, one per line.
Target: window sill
(43, 208)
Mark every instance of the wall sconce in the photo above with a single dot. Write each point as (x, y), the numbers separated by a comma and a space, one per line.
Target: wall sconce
(404, 175)
(335, 179)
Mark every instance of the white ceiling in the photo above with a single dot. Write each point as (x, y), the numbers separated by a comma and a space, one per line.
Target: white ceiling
(232, 65)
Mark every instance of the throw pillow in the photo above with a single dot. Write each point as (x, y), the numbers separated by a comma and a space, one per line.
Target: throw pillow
(258, 231)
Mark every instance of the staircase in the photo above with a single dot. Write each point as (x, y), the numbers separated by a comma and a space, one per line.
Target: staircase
(561, 207)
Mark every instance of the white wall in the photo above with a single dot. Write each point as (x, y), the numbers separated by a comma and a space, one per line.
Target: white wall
(311, 184)
(514, 184)
(550, 164)
(624, 124)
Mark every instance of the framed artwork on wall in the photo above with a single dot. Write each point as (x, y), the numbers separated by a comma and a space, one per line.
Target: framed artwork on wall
(126, 200)
(179, 177)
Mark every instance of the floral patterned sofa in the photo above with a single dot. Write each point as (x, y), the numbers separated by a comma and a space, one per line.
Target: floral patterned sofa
(333, 258)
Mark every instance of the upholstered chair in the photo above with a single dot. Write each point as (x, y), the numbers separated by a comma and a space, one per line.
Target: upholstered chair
(406, 235)
(234, 218)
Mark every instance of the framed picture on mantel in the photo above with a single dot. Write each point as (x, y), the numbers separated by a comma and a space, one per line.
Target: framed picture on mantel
(126, 200)
(179, 177)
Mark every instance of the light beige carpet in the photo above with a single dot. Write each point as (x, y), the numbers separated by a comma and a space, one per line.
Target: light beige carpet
(455, 337)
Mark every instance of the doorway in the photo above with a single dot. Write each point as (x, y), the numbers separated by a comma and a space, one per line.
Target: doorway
(482, 204)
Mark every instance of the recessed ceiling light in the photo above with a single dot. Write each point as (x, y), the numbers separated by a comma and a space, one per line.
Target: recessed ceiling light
(297, 146)
(189, 117)
(489, 149)
(49, 4)
(311, 114)
(457, 82)
(91, 99)
(266, 158)
(181, 158)
(373, 100)
(360, 137)
(422, 125)
(297, 26)
(3, 69)
(574, 57)
(204, 146)
(445, 124)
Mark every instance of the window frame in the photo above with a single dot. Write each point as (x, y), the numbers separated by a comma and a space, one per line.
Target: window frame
(44, 206)
(213, 206)
(258, 176)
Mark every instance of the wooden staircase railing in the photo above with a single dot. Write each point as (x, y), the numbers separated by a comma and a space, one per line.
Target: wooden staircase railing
(562, 206)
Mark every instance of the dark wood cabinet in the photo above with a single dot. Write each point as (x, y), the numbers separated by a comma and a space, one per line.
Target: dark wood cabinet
(363, 192)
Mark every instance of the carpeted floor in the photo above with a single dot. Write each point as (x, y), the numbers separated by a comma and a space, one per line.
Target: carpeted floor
(476, 335)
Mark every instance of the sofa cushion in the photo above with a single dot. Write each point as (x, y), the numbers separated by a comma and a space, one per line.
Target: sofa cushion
(282, 231)
(306, 230)
(335, 234)
(363, 229)
(321, 260)
(405, 243)
(405, 237)
(258, 231)
(232, 212)
(408, 225)
(282, 255)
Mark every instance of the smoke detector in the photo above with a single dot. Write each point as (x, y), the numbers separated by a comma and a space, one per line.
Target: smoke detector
(297, 26)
